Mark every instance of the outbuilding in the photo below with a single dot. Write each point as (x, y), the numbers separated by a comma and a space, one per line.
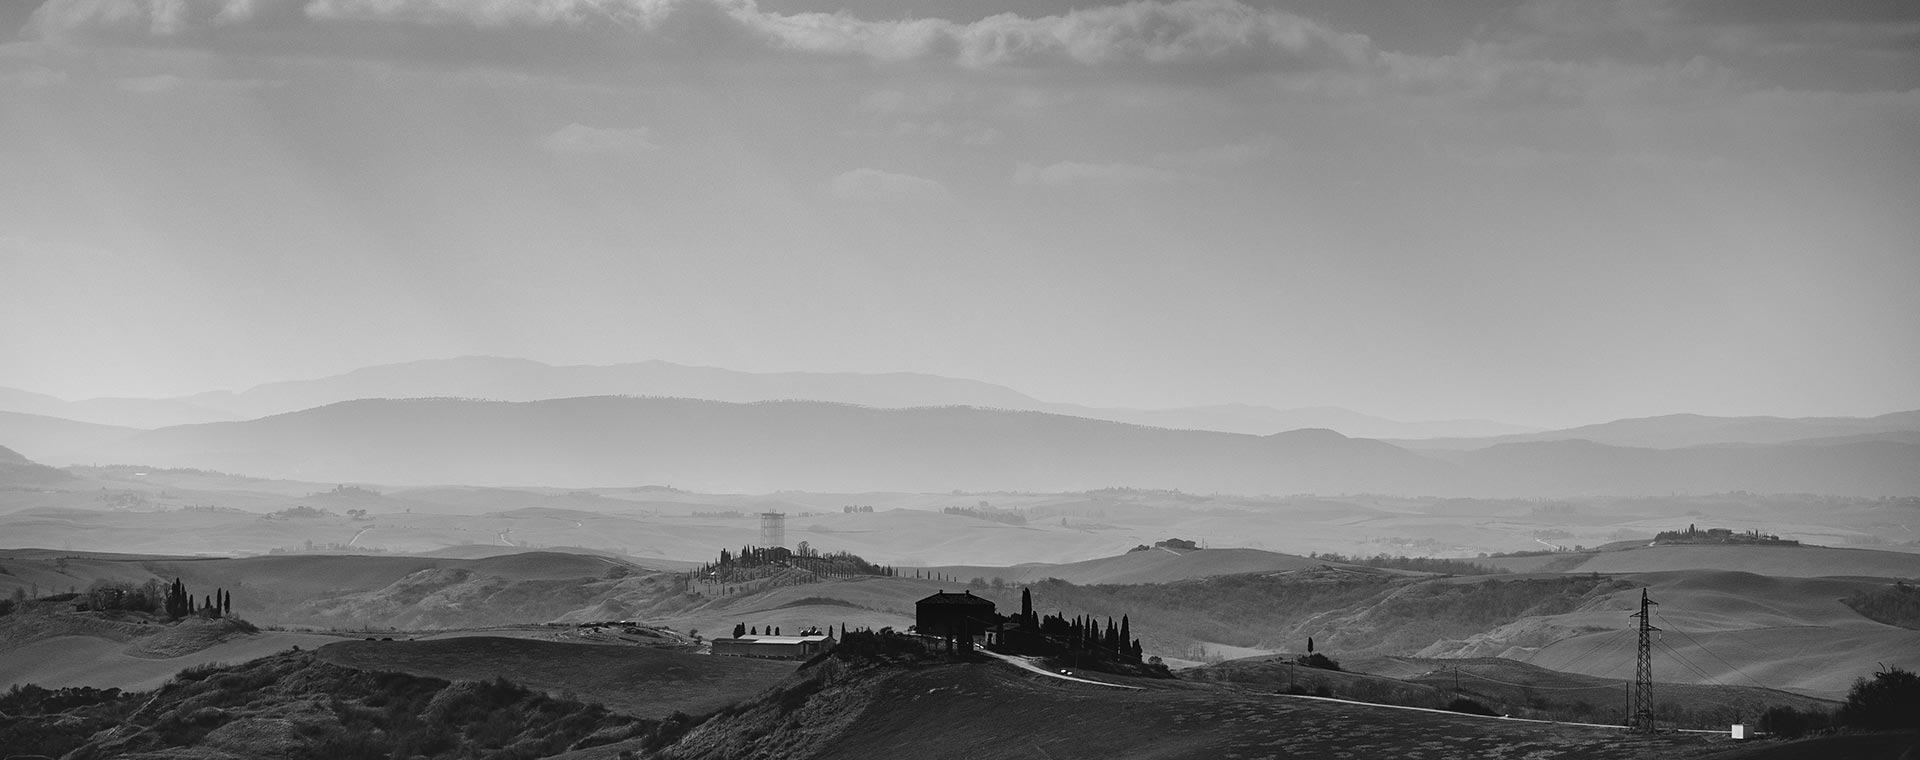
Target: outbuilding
(774, 647)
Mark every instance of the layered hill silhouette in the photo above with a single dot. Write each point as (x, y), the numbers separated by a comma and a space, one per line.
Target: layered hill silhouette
(1675, 431)
(17, 471)
(502, 379)
(767, 446)
(816, 446)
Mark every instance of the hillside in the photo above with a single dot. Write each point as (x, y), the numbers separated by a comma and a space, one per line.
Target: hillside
(1869, 468)
(1157, 565)
(17, 471)
(1782, 561)
(1729, 628)
(1677, 431)
(293, 706)
(974, 710)
(640, 681)
(1505, 686)
(839, 448)
(51, 439)
(766, 446)
(101, 652)
(502, 379)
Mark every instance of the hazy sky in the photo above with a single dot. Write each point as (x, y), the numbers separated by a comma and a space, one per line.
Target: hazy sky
(1546, 212)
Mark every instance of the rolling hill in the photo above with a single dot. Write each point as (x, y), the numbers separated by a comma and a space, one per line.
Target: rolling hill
(53, 438)
(816, 446)
(1779, 561)
(1157, 565)
(502, 379)
(973, 710)
(644, 682)
(1677, 431)
(767, 446)
(73, 650)
(17, 471)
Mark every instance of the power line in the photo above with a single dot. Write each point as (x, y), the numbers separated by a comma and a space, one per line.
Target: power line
(1703, 648)
(1690, 666)
(1541, 688)
(1568, 665)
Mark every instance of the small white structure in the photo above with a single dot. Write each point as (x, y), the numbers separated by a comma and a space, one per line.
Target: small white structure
(1740, 731)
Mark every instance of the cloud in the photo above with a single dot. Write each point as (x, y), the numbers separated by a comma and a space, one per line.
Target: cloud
(1210, 33)
(874, 184)
(154, 84)
(1236, 154)
(581, 140)
(1225, 36)
(33, 76)
(1846, 44)
(1074, 173)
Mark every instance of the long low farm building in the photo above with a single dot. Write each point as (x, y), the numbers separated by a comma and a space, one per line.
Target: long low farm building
(774, 647)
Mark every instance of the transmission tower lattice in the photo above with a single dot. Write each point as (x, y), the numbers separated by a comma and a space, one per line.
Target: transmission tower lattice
(773, 530)
(1642, 699)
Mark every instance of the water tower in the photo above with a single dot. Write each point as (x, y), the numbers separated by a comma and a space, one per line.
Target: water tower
(773, 530)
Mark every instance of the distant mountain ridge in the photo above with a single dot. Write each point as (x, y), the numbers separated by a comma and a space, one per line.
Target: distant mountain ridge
(824, 447)
(1676, 431)
(501, 379)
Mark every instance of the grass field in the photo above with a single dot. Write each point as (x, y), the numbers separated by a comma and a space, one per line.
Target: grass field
(640, 681)
(71, 650)
(1779, 561)
(990, 710)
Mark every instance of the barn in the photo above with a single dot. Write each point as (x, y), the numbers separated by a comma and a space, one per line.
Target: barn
(774, 647)
(958, 618)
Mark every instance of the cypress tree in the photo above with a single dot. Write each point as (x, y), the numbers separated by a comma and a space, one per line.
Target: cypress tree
(1026, 608)
(1126, 635)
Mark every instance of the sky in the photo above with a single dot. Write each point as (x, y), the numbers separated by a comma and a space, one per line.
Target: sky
(1545, 212)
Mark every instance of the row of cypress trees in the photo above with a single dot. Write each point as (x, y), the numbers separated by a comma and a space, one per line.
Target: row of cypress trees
(179, 603)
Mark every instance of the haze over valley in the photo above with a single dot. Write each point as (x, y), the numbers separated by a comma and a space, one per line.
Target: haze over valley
(1095, 380)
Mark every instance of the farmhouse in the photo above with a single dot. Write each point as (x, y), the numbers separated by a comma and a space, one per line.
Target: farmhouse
(958, 618)
(774, 647)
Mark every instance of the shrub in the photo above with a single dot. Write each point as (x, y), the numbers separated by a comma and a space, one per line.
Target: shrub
(1890, 700)
(1470, 707)
(1318, 660)
(1788, 723)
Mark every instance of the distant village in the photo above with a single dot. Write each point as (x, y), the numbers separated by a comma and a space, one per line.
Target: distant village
(1694, 535)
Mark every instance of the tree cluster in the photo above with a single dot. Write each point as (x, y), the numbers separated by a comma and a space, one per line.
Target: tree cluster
(995, 515)
(1081, 635)
(1693, 535)
(1177, 544)
(1898, 604)
(1416, 564)
(741, 566)
(180, 603)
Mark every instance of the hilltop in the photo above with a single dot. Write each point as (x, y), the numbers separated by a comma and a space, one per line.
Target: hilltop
(837, 710)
